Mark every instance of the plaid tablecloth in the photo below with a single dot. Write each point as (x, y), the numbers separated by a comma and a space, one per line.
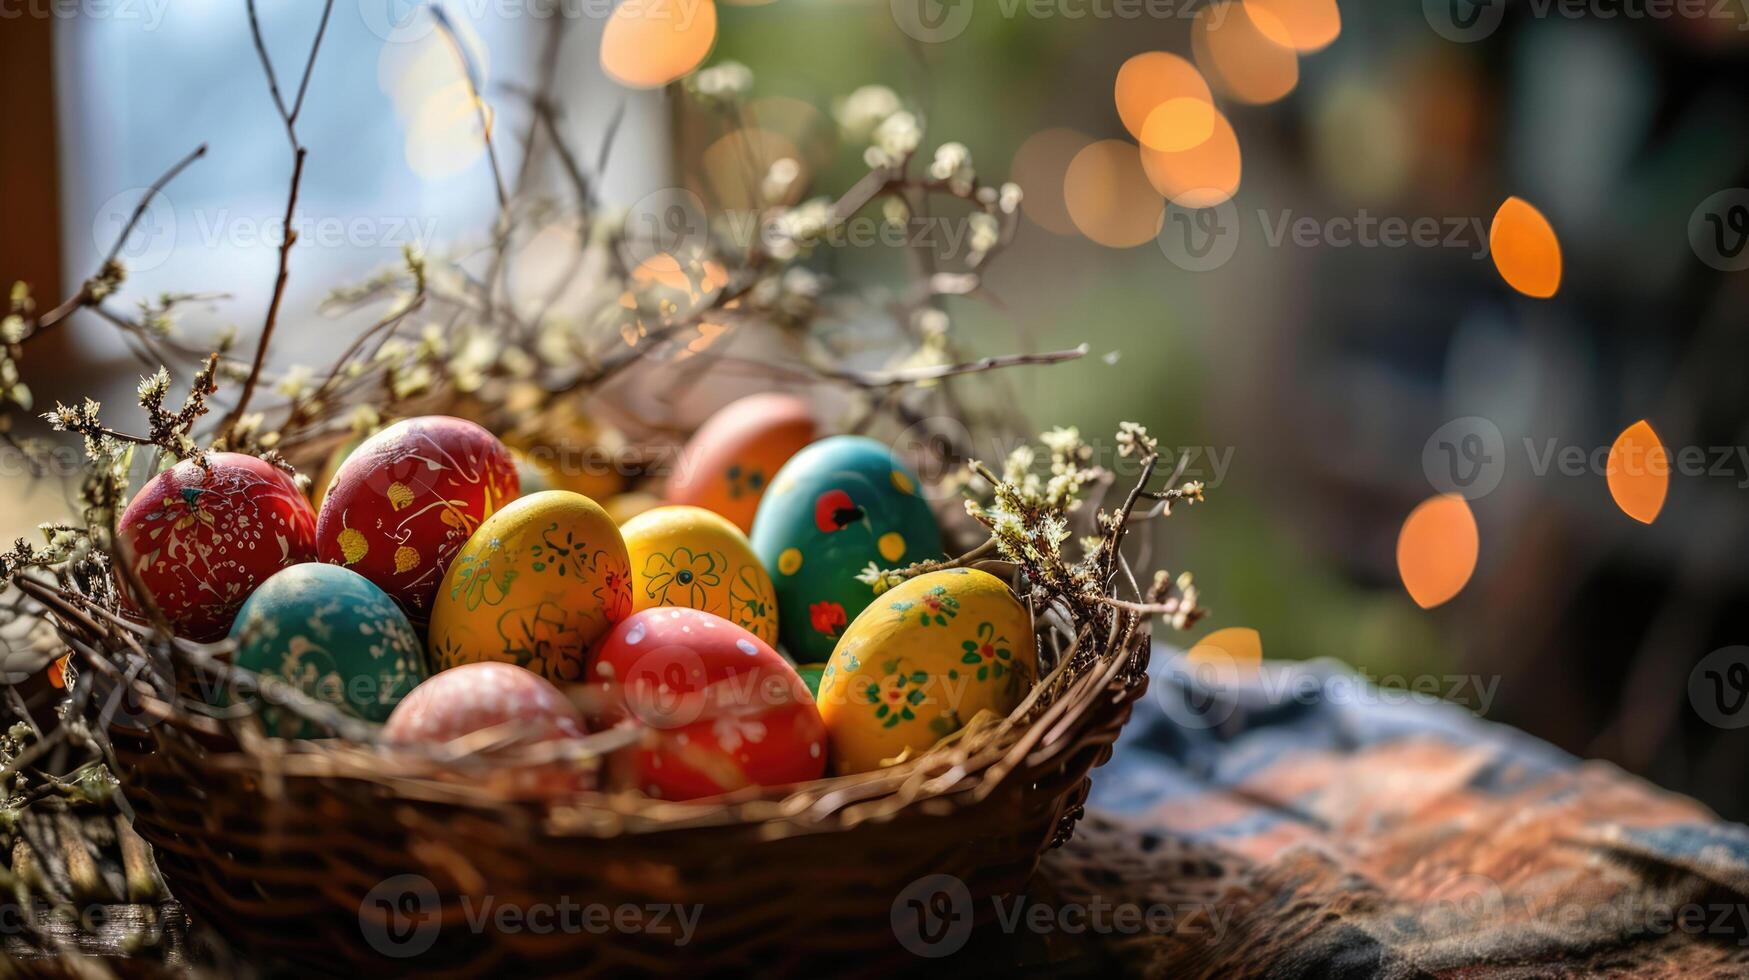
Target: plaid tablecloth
(1302, 823)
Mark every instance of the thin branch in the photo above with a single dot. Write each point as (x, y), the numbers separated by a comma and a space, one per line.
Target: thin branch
(909, 376)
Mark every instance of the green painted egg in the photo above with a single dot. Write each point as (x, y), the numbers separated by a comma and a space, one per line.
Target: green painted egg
(335, 636)
(834, 508)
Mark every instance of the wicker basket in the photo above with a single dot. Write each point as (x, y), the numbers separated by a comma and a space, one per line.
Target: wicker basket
(347, 857)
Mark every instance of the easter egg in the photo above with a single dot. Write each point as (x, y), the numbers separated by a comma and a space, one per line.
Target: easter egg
(202, 538)
(538, 582)
(688, 556)
(929, 654)
(719, 707)
(406, 501)
(837, 506)
(331, 467)
(731, 459)
(472, 697)
(331, 633)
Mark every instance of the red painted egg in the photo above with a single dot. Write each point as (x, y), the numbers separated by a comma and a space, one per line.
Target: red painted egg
(720, 707)
(407, 499)
(201, 540)
(472, 697)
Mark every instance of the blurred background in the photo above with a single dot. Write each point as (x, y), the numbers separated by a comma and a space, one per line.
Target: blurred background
(1285, 274)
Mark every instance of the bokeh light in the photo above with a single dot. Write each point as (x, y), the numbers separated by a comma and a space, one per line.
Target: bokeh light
(1639, 472)
(1039, 167)
(1109, 196)
(649, 43)
(1234, 650)
(1437, 550)
(1148, 82)
(1202, 176)
(443, 136)
(1307, 25)
(1244, 53)
(736, 167)
(1525, 249)
(1179, 124)
(808, 129)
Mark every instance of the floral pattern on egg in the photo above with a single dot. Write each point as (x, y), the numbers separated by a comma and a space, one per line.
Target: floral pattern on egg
(691, 557)
(537, 583)
(837, 507)
(333, 635)
(729, 463)
(204, 534)
(405, 501)
(920, 662)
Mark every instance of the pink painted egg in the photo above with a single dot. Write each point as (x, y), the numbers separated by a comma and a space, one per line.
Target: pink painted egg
(477, 696)
(201, 539)
(720, 708)
(407, 499)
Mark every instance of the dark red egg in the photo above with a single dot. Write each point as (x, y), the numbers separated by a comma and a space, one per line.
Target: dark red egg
(202, 538)
(477, 696)
(720, 708)
(407, 499)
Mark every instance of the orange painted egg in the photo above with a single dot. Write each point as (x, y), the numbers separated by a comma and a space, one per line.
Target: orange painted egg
(728, 463)
(406, 501)
(720, 708)
(538, 583)
(202, 539)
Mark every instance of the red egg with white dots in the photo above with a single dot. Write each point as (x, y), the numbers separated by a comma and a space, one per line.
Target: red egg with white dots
(720, 709)
(477, 696)
(201, 538)
(405, 501)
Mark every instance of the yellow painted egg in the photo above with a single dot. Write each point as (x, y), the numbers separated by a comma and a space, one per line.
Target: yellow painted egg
(535, 585)
(920, 662)
(689, 556)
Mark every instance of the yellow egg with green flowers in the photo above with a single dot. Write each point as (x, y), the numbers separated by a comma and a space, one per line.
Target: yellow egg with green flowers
(693, 557)
(924, 658)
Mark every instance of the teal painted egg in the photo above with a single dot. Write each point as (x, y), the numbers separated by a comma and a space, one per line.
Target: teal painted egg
(330, 632)
(834, 508)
